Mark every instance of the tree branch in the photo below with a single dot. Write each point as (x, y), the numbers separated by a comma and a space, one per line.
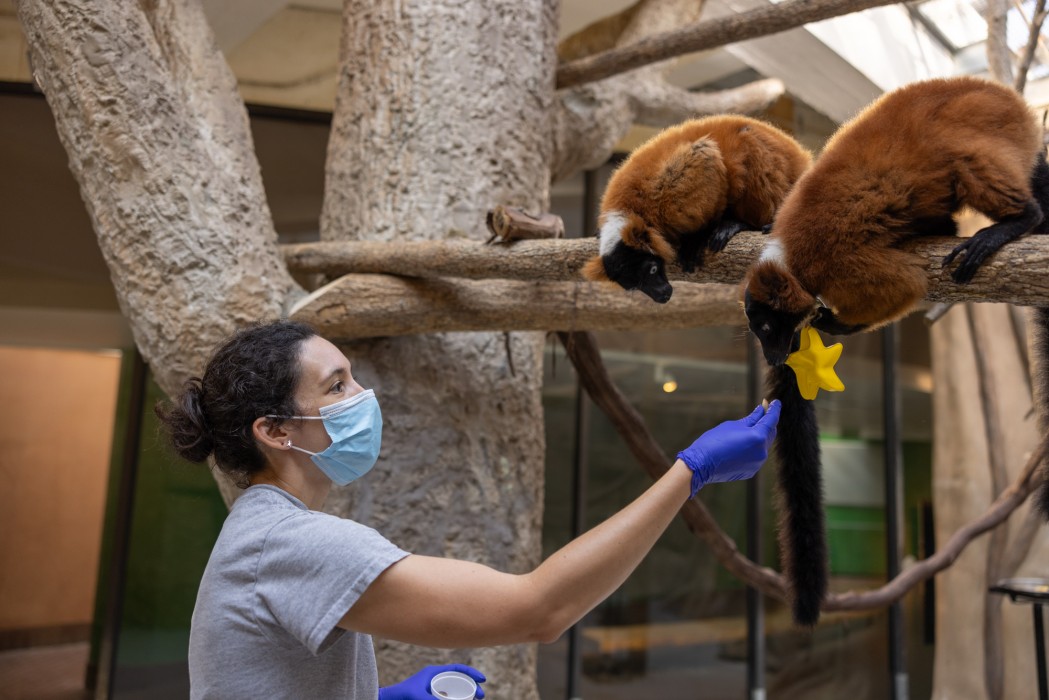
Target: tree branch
(1018, 274)
(999, 57)
(598, 36)
(996, 514)
(1027, 57)
(590, 120)
(370, 306)
(658, 103)
(707, 35)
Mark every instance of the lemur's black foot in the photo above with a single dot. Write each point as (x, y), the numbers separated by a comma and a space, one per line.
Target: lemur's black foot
(690, 254)
(766, 229)
(723, 233)
(975, 253)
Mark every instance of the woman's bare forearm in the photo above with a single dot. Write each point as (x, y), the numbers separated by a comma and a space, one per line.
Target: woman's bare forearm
(574, 579)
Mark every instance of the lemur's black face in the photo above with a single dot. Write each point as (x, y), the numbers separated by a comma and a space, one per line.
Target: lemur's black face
(778, 331)
(635, 269)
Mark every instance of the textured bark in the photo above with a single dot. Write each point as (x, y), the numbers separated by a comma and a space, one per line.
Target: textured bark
(158, 140)
(1017, 274)
(440, 112)
(590, 120)
(369, 306)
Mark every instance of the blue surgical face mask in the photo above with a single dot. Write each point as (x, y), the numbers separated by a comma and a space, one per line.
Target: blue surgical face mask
(355, 428)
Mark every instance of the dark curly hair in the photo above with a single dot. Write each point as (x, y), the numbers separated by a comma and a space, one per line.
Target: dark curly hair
(254, 373)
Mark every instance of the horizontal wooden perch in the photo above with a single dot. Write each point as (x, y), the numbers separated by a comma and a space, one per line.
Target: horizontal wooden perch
(1018, 274)
(365, 306)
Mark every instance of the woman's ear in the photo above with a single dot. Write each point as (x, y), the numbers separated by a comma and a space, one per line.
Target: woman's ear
(271, 433)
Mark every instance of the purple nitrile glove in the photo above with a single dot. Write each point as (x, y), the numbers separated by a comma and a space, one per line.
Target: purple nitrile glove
(734, 450)
(418, 686)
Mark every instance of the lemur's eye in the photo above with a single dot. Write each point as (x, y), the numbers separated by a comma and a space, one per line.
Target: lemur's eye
(765, 328)
(654, 269)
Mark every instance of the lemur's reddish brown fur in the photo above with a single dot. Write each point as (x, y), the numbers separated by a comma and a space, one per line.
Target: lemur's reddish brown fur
(901, 168)
(691, 175)
(916, 155)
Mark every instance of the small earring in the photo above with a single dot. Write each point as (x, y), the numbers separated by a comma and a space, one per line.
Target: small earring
(287, 443)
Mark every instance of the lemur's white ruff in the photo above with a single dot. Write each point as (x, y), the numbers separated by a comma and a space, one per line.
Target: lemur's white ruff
(773, 253)
(611, 231)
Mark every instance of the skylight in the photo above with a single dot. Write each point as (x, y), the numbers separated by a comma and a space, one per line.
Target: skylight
(959, 21)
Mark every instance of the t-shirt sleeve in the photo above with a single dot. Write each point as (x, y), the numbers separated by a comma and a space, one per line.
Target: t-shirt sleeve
(313, 568)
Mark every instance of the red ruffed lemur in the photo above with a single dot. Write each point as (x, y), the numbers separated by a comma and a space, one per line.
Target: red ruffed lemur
(902, 168)
(691, 187)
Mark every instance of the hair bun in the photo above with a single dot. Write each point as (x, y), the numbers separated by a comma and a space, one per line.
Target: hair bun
(187, 423)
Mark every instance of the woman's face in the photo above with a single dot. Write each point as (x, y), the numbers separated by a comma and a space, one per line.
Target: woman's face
(324, 379)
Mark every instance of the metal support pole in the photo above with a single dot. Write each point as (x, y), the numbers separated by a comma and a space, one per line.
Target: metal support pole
(1039, 649)
(893, 499)
(580, 457)
(755, 601)
(579, 472)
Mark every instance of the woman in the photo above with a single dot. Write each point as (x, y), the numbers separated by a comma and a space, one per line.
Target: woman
(291, 595)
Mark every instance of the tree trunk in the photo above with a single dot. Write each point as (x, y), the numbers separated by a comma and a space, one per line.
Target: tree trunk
(158, 140)
(441, 113)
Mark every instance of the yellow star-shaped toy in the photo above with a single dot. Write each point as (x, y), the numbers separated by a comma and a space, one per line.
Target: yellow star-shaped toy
(814, 365)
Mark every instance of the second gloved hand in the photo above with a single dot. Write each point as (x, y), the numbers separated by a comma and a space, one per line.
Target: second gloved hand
(418, 686)
(732, 451)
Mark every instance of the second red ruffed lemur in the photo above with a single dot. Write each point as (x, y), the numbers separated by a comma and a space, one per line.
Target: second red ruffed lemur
(902, 168)
(688, 189)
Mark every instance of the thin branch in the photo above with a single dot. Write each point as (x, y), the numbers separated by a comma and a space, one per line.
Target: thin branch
(582, 351)
(708, 35)
(1027, 57)
(996, 514)
(1023, 539)
(589, 121)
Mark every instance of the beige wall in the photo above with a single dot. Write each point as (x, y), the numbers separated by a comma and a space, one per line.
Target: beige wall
(56, 424)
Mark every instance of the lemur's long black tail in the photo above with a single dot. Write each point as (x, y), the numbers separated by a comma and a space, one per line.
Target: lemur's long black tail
(802, 534)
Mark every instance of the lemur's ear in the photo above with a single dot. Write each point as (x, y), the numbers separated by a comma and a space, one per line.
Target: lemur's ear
(594, 270)
(657, 245)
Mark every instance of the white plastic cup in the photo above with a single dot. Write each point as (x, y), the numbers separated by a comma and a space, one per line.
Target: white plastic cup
(452, 685)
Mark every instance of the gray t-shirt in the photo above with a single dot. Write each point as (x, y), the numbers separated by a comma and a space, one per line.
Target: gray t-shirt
(279, 579)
